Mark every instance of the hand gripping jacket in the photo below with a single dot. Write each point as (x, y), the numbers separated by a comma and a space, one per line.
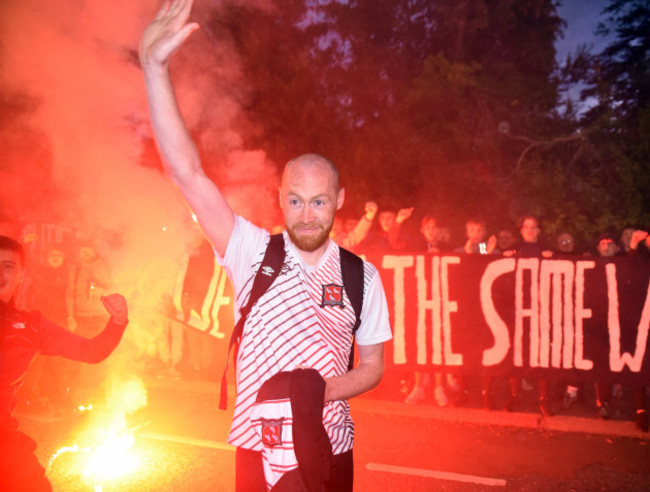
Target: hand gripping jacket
(288, 415)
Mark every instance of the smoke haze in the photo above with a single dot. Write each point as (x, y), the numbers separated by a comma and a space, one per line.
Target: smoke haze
(78, 145)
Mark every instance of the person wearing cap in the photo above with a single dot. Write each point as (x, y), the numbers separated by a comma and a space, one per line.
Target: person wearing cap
(607, 245)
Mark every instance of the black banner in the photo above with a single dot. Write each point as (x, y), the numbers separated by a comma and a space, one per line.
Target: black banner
(585, 318)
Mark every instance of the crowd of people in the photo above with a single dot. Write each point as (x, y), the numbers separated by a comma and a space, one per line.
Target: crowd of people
(66, 273)
(66, 279)
(295, 345)
(523, 239)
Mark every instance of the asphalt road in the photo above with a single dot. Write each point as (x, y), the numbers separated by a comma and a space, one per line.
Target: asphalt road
(180, 445)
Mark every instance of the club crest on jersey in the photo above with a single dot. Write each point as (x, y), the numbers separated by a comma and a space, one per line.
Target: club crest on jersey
(332, 295)
(272, 432)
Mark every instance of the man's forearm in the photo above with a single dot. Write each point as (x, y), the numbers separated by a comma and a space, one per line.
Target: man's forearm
(160, 40)
(359, 232)
(180, 156)
(182, 161)
(355, 382)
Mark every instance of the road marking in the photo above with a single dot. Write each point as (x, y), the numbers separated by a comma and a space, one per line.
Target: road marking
(44, 419)
(203, 443)
(422, 472)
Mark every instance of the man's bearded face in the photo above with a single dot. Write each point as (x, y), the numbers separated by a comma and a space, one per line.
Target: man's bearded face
(309, 236)
(309, 198)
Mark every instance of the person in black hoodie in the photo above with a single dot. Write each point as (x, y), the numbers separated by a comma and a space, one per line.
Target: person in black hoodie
(530, 246)
(23, 335)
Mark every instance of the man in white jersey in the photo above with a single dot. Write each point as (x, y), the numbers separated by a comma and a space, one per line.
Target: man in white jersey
(294, 324)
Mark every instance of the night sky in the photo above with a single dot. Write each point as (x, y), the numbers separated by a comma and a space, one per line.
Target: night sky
(582, 17)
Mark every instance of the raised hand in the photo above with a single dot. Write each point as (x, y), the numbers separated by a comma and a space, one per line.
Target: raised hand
(167, 32)
(491, 244)
(637, 237)
(403, 214)
(370, 210)
(116, 306)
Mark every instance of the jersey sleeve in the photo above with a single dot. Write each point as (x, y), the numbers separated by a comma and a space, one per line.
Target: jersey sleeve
(246, 244)
(55, 340)
(375, 323)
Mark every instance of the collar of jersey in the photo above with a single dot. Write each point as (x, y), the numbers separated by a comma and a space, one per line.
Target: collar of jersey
(308, 269)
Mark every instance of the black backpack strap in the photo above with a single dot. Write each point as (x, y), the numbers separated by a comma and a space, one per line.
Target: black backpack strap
(267, 272)
(352, 272)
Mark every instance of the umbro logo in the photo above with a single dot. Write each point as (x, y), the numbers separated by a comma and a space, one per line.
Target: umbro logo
(267, 270)
(19, 326)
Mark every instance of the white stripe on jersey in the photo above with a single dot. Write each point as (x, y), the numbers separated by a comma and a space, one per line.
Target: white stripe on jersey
(288, 328)
(280, 458)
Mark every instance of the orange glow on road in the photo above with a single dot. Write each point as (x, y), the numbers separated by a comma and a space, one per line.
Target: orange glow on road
(112, 458)
(104, 448)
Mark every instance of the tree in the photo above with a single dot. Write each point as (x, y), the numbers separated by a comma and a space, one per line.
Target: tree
(408, 96)
(618, 123)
